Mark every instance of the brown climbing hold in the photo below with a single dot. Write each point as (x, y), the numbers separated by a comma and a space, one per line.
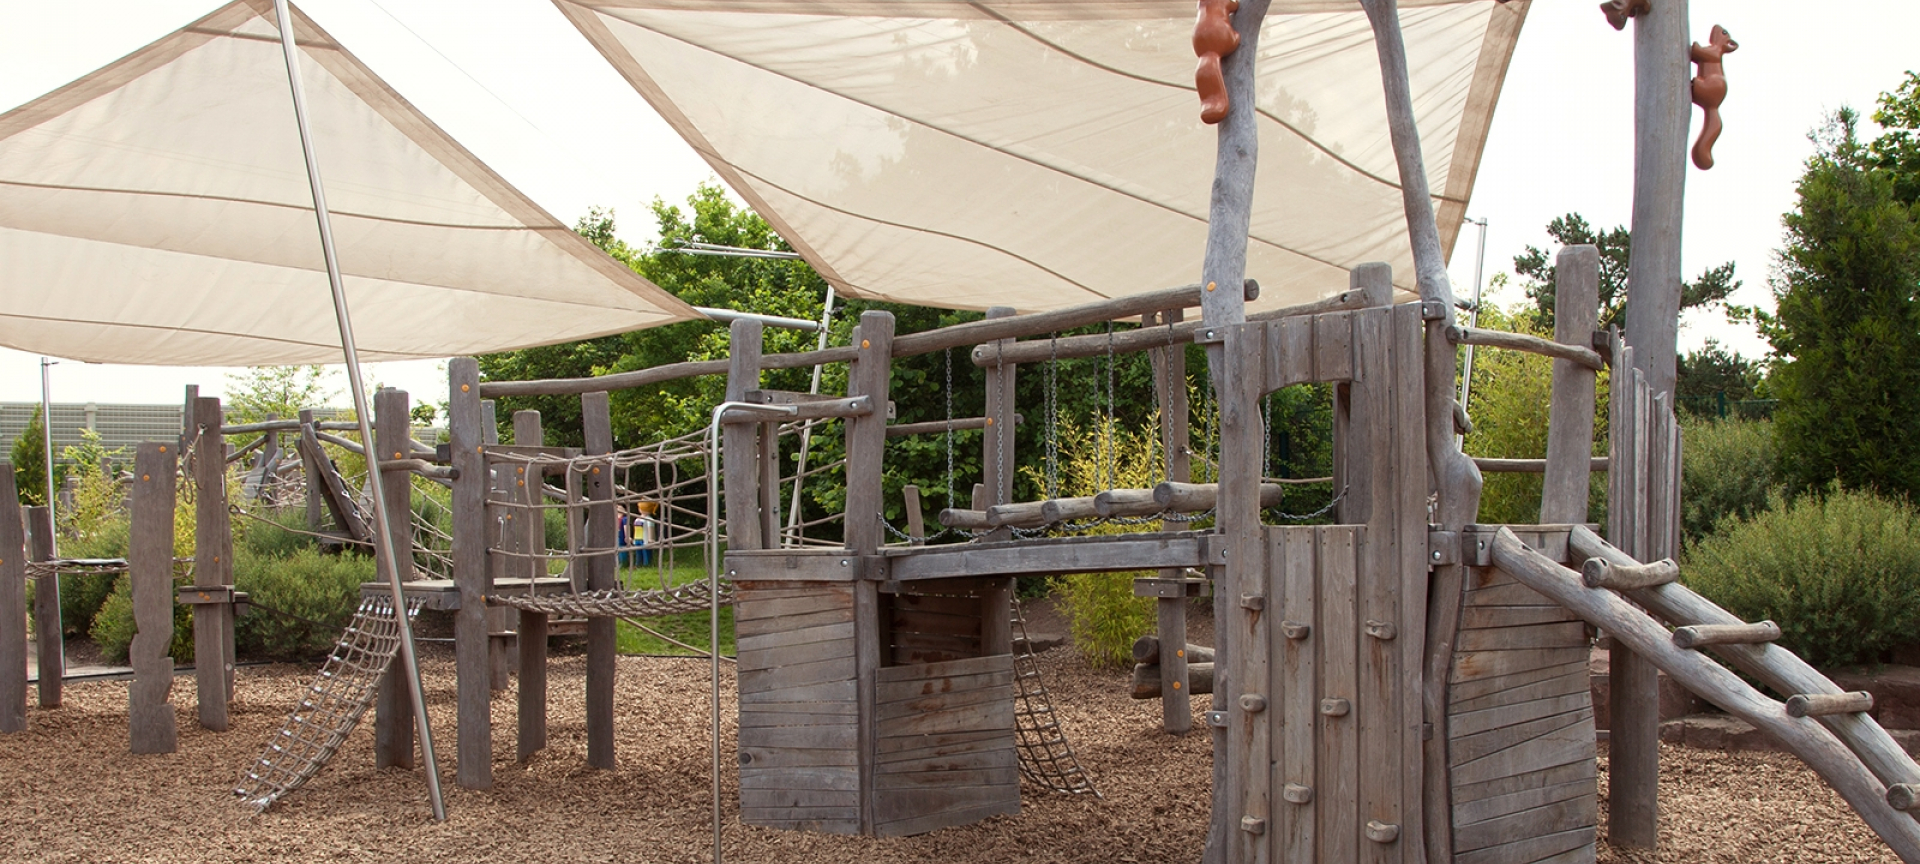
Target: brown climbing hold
(1214, 38)
(1618, 11)
(1710, 89)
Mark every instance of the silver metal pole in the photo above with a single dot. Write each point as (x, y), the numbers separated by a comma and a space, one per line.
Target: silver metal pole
(806, 432)
(46, 439)
(1473, 315)
(382, 540)
(713, 580)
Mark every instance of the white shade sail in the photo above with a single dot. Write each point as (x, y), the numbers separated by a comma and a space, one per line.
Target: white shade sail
(157, 212)
(1041, 153)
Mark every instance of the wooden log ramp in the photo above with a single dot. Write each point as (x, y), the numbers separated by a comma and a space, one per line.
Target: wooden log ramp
(1639, 632)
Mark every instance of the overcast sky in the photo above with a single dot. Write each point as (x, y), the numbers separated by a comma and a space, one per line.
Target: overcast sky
(519, 86)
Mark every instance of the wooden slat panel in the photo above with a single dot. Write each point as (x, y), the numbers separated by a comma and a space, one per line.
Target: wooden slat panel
(1333, 346)
(996, 715)
(1466, 723)
(1574, 813)
(899, 691)
(1578, 769)
(759, 608)
(826, 692)
(918, 599)
(1467, 748)
(943, 819)
(1297, 688)
(896, 778)
(780, 588)
(801, 636)
(796, 675)
(1569, 634)
(833, 737)
(962, 757)
(811, 652)
(756, 758)
(1513, 802)
(837, 779)
(1476, 665)
(938, 702)
(1489, 690)
(765, 626)
(1578, 855)
(1553, 748)
(1529, 849)
(1411, 574)
(1507, 594)
(1485, 616)
(1337, 792)
(945, 669)
(799, 799)
(951, 741)
(1290, 351)
(751, 719)
(767, 819)
(899, 804)
(1376, 706)
(797, 815)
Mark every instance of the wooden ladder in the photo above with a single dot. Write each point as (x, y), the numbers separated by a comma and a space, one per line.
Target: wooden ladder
(1826, 727)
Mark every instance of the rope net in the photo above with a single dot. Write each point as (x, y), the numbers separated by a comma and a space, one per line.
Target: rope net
(619, 603)
(1046, 758)
(331, 708)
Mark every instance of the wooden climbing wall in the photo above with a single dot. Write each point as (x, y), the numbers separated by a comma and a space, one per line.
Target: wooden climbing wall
(799, 709)
(1520, 725)
(945, 744)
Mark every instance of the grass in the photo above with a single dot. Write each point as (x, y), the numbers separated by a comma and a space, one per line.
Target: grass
(689, 627)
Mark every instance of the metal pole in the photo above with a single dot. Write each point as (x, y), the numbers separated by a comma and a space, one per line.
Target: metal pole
(382, 540)
(713, 580)
(806, 431)
(46, 440)
(1473, 315)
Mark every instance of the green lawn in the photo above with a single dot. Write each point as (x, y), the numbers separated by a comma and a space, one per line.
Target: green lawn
(689, 627)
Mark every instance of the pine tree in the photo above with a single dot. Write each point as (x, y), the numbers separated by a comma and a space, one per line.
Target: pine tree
(29, 462)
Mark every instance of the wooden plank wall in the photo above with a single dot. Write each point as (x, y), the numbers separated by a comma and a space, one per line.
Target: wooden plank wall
(932, 622)
(1520, 729)
(945, 744)
(799, 706)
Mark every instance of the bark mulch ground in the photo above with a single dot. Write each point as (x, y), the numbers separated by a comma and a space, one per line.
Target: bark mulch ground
(70, 792)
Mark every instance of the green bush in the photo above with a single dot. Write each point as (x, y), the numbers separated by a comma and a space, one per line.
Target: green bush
(1840, 574)
(82, 595)
(113, 625)
(1727, 471)
(1510, 409)
(277, 537)
(322, 588)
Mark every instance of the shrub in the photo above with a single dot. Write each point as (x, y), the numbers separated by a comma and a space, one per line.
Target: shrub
(81, 596)
(1727, 471)
(113, 625)
(321, 588)
(1510, 408)
(1840, 574)
(276, 537)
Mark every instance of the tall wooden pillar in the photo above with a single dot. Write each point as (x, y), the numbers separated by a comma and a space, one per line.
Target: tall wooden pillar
(393, 718)
(598, 428)
(13, 608)
(870, 375)
(1170, 613)
(46, 607)
(471, 575)
(740, 453)
(533, 625)
(150, 572)
(212, 568)
(996, 601)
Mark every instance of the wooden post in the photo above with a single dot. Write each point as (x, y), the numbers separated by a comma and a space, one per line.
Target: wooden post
(870, 375)
(312, 471)
(47, 625)
(150, 720)
(1576, 309)
(1240, 574)
(1662, 110)
(1170, 613)
(471, 575)
(997, 467)
(533, 625)
(393, 732)
(13, 608)
(739, 453)
(598, 429)
(212, 567)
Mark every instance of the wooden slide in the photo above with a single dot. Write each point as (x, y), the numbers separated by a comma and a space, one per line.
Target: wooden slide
(1824, 726)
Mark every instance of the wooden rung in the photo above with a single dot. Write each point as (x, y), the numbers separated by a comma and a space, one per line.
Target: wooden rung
(1200, 497)
(1068, 509)
(971, 520)
(1823, 704)
(1904, 796)
(1597, 573)
(1126, 502)
(1725, 634)
(1024, 514)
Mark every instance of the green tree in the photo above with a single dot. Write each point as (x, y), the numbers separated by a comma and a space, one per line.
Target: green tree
(1846, 325)
(1616, 249)
(277, 391)
(30, 461)
(1712, 379)
(1898, 148)
(1510, 397)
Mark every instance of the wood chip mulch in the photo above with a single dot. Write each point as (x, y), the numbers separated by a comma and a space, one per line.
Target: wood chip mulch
(70, 792)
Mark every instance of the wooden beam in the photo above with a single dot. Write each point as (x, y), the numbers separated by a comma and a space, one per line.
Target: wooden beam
(739, 442)
(13, 608)
(1578, 354)
(212, 567)
(1149, 338)
(597, 426)
(47, 625)
(472, 576)
(393, 739)
(866, 441)
(150, 720)
(532, 696)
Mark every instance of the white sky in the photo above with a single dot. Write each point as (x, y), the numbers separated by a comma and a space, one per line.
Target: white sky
(516, 84)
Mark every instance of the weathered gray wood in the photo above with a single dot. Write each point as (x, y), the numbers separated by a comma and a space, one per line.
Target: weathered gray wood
(1776, 667)
(1531, 466)
(1242, 662)
(1149, 681)
(1517, 726)
(47, 626)
(1379, 434)
(393, 717)
(740, 441)
(1701, 635)
(1338, 634)
(1823, 704)
(1480, 665)
(916, 521)
(1068, 509)
(1904, 796)
(333, 490)
(1407, 581)
(597, 424)
(1521, 687)
(1146, 650)
(996, 617)
(13, 608)
(1120, 552)
(1169, 362)
(1200, 497)
(150, 717)
(472, 575)
(1552, 635)
(212, 566)
(966, 520)
(1601, 573)
(1125, 502)
(1295, 822)
(1151, 338)
(1813, 742)
(870, 376)
(997, 465)
(1577, 354)
(1570, 420)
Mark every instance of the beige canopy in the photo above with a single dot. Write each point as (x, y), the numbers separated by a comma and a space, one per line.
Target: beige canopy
(1041, 153)
(157, 211)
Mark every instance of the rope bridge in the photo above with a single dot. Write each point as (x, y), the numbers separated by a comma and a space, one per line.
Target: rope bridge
(617, 603)
(334, 702)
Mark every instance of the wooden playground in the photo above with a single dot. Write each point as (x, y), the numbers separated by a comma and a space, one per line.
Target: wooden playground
(1399, 684)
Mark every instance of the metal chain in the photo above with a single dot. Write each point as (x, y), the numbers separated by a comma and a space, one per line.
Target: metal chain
(1113, 420)
(1053, 415)
(1266, 437)
(949, 428)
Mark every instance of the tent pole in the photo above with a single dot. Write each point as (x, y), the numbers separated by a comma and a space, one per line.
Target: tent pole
(382, 539)
(46, 441)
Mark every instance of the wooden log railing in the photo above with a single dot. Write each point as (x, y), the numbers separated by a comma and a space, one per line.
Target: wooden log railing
(288, 425)
(1779, 669)
(1489, 465)
(1145, 338)
(1522, 342)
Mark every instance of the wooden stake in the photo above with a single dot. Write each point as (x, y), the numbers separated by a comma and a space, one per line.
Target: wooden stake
(394, 726)
(472, 576)
(150, 570)
(212, 567)
(532, 701)
(598, 429)
(13, 608)
(47, 624)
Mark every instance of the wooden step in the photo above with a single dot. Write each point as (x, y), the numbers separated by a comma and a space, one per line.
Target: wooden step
(1904, 796)
(1823, 704)
(1700, 635)
(1600, 573)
